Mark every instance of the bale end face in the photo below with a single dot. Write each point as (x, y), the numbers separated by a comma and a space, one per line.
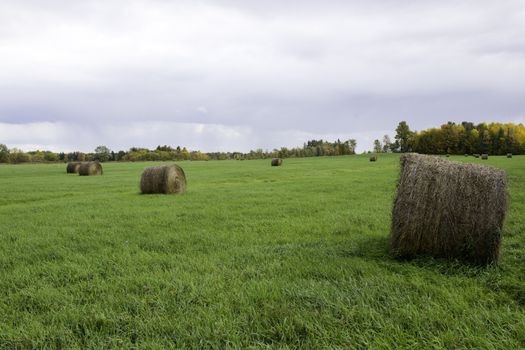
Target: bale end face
(167, 179)
(448, 210)
(72, 167)
(90, 169)
(277, 162)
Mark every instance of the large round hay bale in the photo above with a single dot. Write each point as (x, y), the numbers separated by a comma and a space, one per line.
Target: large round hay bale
(72, 167)
(163, 179)
(448, 210)
(277, 162)
(484, 156)
(509, 155)
(373, 159)
(90, 169)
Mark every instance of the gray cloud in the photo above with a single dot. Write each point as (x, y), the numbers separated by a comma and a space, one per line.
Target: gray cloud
(254, 73)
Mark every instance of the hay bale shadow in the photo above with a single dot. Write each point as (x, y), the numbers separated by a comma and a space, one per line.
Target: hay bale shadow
(376, 249)
(370, 247)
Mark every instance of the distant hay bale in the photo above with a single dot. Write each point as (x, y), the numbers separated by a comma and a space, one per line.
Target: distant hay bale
(373, 159)
(277, 162)
(90, 169)
(476, 155)
(509, 155)
(72, 167)
(163, 179)
(448, 210)
(484, 156)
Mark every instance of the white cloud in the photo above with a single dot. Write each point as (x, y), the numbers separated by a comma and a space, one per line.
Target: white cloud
(310, 68)
(202, 110)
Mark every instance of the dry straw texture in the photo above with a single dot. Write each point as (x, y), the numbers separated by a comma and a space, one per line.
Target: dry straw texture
(90, 169)
(373, 159)
(277, 162)
(72, 167)
(448, 209)
(163, 179)
(484, 156)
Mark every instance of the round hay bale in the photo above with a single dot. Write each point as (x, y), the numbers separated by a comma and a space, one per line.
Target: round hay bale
(476, 155)
(163, 179)
(509, 155)
(72, 167)
(373, 158)
(484, 156)
(90, 169)
(277, 162)
(448, 210)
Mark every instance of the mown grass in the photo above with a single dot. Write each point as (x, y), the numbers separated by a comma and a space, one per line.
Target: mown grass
(252, 256)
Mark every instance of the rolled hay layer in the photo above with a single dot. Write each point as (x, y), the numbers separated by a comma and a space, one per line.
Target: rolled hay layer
(72, 167)
(90, 169)
(509, 155)
(373, 159)
(484, 156)
(277, 162)
(163, 179)
(448, 210)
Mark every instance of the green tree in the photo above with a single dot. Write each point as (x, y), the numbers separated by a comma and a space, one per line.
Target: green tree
(500, 143)
(102, 153)
(404, 137)
(387, 143)
(378, 147)
(486, 142)
(18, 156)
(352, 144)
(185, 154)
(50, 156)
(4, 153)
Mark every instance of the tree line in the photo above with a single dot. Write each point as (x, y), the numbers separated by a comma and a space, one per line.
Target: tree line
(312, 148)
(452, 138)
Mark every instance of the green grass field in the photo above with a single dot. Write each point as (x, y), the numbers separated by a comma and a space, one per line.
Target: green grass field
(252, 256)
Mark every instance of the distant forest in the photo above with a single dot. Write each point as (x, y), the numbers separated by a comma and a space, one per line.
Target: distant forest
(450, 138)
(313, 148)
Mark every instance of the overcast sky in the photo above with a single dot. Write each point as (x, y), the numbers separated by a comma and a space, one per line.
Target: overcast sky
(245, 74)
